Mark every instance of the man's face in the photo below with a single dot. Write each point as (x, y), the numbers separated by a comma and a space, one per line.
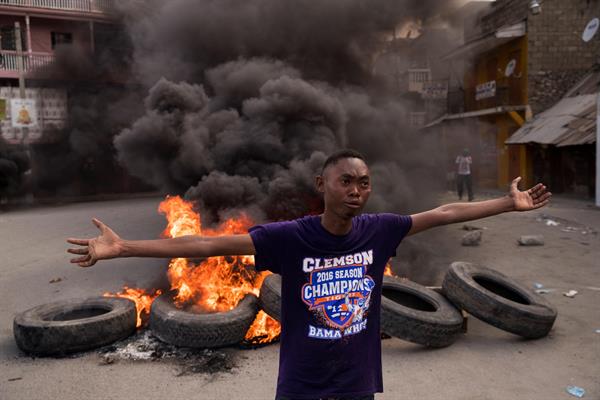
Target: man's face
(346, 186)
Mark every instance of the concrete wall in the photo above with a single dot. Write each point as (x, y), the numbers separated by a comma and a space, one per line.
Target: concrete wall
(51, 106)
(557, 56)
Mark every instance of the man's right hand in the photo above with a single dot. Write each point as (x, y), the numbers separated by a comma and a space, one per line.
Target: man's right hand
(103, 247)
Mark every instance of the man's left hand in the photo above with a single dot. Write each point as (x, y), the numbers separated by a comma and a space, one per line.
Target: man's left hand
(531, 199)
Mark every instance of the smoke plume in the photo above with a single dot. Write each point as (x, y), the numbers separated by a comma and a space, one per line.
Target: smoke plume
(245, 101)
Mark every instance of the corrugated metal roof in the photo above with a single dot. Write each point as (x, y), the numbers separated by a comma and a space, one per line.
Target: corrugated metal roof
(572, 121)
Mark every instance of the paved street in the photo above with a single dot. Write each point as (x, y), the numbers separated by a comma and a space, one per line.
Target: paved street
(485, 364)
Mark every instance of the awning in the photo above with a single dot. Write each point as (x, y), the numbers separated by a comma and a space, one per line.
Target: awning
(488, 42)
(473, 114)
(572, 121)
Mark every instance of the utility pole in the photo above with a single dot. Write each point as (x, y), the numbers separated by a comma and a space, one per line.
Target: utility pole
(598, 142)
(19, 45)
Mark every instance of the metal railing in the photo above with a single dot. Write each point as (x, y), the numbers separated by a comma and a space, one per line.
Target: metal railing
(9, 60)
(416, 79)
(89, 6)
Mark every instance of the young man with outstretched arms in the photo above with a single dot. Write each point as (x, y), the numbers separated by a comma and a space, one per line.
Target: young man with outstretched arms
(332, 270)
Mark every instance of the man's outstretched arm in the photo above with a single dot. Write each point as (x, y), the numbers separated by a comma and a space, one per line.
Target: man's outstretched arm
(516, 200)
(109, 245)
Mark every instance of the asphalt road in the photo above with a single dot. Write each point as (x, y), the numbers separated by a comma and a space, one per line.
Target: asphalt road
(484, 364)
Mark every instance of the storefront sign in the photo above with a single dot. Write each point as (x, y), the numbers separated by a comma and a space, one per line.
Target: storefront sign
(435, 90)
(485, 90)
(23, 113)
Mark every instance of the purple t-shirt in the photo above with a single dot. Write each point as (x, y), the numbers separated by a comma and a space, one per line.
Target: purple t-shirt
(330, 301)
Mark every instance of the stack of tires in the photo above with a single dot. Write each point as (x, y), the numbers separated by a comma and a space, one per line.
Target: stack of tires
(408, 311)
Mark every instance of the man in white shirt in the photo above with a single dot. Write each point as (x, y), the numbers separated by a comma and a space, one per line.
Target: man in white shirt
(463, 175)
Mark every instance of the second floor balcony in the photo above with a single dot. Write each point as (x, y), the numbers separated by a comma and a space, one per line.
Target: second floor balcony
(31, 62)
(88, 7)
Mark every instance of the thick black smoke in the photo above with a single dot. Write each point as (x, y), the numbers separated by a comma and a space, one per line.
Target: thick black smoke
(246, 100)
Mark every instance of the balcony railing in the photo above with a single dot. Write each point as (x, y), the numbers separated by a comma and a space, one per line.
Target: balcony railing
(88, 6)
(9, 61)
(416, 79)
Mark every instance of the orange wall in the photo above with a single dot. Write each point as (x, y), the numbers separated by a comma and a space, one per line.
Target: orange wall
(511, 160)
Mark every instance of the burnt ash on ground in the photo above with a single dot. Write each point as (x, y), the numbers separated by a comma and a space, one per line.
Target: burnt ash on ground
(144, 347)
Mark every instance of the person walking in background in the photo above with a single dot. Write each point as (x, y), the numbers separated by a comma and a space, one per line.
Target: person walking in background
(463, 176)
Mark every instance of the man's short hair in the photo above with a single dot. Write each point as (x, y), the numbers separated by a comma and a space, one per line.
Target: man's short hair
(340, 155)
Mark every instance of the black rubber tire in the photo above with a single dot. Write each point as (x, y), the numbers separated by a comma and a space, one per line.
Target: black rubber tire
(59, 328)
(269, 298)
(503, 302)
(438, 327)
(188, 329)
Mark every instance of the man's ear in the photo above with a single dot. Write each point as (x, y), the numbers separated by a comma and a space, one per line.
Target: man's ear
(320, 184)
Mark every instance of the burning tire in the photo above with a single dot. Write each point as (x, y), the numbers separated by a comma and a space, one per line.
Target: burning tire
(188, 329)
(417, 314)
(498, 300)
(269, 298)
(74, 325)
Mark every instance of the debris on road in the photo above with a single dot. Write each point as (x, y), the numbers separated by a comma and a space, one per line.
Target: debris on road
(531, 240)
(544, 291)
(472, 238)
(143, 346)
(55, 280)
(571, 293)
(576, 391)
(537, 285)
(597, 330)
(15, 379)
(469, 227)
(569, 226)
(548, 220)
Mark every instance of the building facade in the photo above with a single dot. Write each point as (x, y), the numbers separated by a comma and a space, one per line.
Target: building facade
(44, 26)
(519, 60)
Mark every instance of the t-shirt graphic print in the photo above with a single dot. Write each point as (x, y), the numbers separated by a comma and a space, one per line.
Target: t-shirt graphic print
(330, 301)
(339, 294)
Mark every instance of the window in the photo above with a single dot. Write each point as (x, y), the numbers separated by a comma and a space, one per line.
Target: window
(59, 38)
(417, 119)
(8, 38)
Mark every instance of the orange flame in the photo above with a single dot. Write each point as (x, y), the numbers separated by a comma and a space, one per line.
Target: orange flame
(388, 270)
(216, 284)
(264, 329)
(142, 300)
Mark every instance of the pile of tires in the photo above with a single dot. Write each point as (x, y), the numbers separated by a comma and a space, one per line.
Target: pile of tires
(420, 315)
(409, 311)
